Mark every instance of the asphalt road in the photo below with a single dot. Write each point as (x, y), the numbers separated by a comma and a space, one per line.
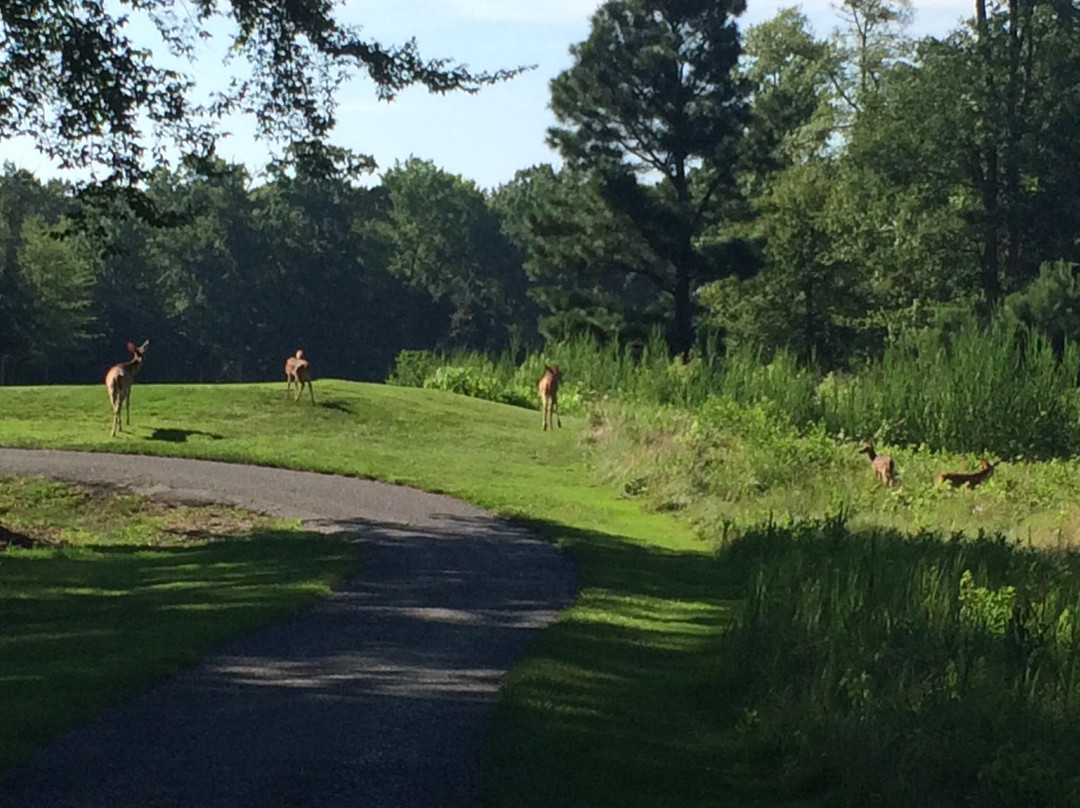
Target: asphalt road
(377, 697)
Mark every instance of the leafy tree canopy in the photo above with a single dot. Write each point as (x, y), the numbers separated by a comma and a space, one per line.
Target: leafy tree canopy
(81, 79)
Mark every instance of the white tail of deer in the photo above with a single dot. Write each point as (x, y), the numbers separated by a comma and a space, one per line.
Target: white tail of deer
(298, 372)
(118, 381)
(548, 388)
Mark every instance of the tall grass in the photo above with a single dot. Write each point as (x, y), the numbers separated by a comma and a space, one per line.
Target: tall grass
(919, 670)
(1001, 389)
(590, 370)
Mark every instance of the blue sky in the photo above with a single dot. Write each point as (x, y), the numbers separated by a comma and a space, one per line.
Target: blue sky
(488, 136)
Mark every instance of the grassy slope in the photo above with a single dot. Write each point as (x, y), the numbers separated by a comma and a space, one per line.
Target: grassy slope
(605, 709)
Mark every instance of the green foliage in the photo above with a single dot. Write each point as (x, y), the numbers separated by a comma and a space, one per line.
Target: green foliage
(653, 90)
(92, 106)
(445, 241)
(1050, 304)
(858, 648)
(1002, 389)
(589, 372)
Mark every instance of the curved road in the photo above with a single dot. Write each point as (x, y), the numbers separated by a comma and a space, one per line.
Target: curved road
(379, 696)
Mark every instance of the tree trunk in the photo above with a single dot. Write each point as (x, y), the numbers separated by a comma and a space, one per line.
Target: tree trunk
(988, 182)
(1013, 134)
(683, 338)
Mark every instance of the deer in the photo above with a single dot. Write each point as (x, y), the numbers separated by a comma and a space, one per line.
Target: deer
(298, 372)
(968, 478)
(884, 469)
(118, 381)
(548, 388)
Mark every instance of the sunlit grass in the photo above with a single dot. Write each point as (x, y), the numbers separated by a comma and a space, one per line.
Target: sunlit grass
(640, 633)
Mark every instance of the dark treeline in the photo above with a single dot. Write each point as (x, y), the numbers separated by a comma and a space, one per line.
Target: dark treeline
(785, 190)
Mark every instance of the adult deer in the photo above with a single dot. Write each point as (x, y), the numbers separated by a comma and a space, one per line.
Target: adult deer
(968, 478)
(548, 388)
(883, 466)
(298, 372)
(118, 381)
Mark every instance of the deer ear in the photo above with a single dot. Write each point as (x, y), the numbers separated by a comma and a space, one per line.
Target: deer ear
(131, 347)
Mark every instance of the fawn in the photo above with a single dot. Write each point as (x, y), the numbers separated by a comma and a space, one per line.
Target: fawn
(118, 381)
(884, 470)
(298, 371)
(968, 478)
(548, 388)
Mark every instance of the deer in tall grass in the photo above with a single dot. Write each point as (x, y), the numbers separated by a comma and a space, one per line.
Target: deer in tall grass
(968, 478)
(118, 381)
(298, 372)
(548, 388)
(884, 469)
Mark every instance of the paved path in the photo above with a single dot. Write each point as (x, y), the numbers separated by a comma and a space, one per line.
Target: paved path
(377, 697)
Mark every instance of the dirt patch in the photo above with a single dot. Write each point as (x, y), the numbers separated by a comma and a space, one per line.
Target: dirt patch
(95, 514)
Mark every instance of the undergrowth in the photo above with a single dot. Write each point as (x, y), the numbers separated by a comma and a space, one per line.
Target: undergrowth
(905, 670)
(1002, 389)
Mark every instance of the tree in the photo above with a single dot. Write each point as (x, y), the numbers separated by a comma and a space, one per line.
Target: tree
(446, 241)
(586, 263)
(91, 96)
(55, 269)
(652, 97)
(789, 74)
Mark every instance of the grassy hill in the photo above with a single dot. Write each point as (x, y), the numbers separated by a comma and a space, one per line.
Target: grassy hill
(624, 665)
(795, 655)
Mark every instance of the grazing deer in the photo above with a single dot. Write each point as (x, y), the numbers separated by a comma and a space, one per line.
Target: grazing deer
(548, 387)
(298, 371)
(884, 470)
(968, 478)
(118, 381)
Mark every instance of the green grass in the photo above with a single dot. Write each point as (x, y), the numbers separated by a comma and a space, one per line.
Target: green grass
(647, 618)
(729, 467)
(114, 591)
(642, 694)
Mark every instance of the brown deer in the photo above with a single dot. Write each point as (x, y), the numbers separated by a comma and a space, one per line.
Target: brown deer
(298, 372)
(548, 388)
(884, 470)
(118, 381)
(968, 478)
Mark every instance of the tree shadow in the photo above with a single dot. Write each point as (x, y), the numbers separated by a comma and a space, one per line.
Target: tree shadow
(181, 435)
(339, 405)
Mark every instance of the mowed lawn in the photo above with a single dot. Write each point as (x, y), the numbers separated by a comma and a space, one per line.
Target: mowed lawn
(103, 592)
(607, 707)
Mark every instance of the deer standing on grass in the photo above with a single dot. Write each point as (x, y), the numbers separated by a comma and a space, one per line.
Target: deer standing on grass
(968, 478)
(884, 470)
(118, 381)
(298, 372)
(548, 387)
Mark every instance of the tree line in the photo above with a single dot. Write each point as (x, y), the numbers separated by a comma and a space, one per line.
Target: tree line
(771, 186)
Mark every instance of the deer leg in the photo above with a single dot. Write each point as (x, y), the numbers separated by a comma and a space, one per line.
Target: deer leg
(555, 409)
(127, 399)
(311, 390)
(116, 418)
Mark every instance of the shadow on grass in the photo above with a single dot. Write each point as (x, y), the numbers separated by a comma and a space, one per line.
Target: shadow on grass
(87, 626)
(382, 693)
(181, 435)
(616, 697)
(339, 405)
